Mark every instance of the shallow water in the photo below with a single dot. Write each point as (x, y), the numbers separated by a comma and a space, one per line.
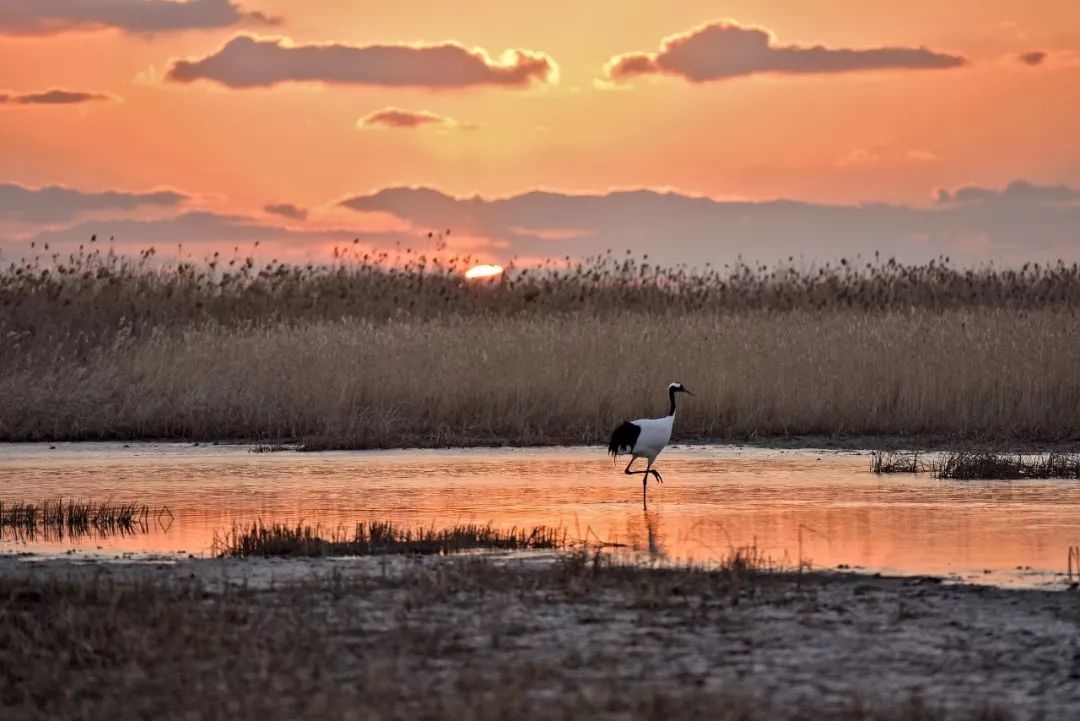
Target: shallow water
(824, 507)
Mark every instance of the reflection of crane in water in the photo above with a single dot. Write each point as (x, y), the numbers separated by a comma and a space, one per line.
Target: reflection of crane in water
(652, 523)
(646, 537)
(645, 438)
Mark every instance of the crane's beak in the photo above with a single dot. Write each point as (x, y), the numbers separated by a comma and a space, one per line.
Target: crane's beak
(686, 390)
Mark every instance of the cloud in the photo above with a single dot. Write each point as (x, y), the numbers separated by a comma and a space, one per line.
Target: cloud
(1016, 193)
(867, 157)
(45, 17)
(1022, 221)
(55, 204)
(1016, 223)
(859, 156)
(185, 228)
(287, 210)
(921, 156)
(1048, 59)
(52, 97)
(201, 233)
(246, 62)
(408, 119)
(1033, 58)
(722, 50)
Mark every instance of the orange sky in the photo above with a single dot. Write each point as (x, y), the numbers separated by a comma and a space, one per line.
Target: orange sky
(894, 135)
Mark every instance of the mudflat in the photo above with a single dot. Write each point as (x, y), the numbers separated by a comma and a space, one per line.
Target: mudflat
(567, 636)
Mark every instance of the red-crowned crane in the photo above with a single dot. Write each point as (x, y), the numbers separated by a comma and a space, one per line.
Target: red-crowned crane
(645, 438)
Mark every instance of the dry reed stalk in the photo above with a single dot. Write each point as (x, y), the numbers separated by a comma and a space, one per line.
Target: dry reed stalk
(76, 297)
(963, 374)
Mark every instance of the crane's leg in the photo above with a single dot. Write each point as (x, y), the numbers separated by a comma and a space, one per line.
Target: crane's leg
(634, 473)
(649, 470)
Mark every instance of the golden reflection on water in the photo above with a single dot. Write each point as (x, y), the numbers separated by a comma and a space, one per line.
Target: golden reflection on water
(821, 507)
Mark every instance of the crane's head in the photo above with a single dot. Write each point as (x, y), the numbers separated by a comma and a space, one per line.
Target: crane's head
(677, 387)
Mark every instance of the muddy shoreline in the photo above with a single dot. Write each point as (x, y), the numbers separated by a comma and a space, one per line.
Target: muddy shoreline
(547, 636)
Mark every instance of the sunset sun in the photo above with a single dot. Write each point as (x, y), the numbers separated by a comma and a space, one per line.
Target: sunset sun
(483, 271)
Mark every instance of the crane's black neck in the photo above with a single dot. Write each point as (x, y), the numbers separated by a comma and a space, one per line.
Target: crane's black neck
(671, 395)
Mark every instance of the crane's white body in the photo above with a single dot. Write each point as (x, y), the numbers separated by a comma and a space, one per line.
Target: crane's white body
(655, 434)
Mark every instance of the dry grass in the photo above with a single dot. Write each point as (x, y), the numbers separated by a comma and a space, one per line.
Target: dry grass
(379, 538)
(964, 374)
(91, 292)
(467, 640)
(402, 351)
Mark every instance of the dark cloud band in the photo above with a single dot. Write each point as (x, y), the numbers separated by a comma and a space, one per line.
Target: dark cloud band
(1035, 57)
(400, 119)
(246, 62)
(1020, 221)
(722, 50)
(204, 232)
(43, 17)
(55, 204)
(52, 97)
(287, 210)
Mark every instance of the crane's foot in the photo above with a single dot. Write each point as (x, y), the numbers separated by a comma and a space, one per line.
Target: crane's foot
(659, 478)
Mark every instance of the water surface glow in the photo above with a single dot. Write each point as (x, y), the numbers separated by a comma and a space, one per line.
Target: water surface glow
(821, 506)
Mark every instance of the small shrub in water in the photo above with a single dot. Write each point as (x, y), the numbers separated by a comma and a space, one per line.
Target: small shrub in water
(1005, 466)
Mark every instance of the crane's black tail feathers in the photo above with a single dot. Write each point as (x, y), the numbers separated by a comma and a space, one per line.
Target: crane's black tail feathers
(623, 439)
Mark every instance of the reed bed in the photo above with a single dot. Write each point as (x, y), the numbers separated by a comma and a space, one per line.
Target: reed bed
(91, 292)
(964, 375)
(57, 519)
(397, 351)
(379, 538)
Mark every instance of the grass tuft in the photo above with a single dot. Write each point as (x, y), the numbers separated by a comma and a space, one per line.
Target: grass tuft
(379, 538)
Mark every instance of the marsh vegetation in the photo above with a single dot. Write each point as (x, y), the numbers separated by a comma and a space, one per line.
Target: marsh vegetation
(979, 465)
(59, 519)
(374, 538)
(378, 351)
